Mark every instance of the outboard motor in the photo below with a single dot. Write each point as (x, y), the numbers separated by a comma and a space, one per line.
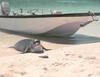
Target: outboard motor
(5, 8)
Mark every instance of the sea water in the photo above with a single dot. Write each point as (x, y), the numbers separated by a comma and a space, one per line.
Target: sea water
(66, 6)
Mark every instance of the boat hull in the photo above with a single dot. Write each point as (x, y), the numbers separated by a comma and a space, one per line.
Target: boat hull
(53, 26)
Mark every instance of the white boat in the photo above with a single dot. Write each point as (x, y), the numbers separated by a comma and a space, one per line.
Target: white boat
(55, 24)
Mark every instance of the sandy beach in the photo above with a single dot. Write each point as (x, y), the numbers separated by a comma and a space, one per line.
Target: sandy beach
(78, 56)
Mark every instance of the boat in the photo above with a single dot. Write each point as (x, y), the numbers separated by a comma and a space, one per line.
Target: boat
(55, 24)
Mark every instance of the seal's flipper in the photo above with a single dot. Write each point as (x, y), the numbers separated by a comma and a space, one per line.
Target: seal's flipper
(45, 48)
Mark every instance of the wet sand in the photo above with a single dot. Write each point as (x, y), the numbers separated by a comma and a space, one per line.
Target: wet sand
(77, 56)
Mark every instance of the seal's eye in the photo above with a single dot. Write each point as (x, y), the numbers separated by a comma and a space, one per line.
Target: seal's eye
(37, 41)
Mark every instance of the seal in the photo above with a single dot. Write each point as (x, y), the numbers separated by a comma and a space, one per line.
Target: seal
(30, 46)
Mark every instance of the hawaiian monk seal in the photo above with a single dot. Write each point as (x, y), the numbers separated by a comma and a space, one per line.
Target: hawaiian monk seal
(29, 46)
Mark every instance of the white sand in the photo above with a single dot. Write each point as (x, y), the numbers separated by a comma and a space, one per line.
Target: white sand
(66, 60)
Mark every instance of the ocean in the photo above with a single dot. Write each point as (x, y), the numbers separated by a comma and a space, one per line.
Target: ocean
(66, 6)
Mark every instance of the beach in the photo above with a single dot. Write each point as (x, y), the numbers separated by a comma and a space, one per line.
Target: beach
(78, 56)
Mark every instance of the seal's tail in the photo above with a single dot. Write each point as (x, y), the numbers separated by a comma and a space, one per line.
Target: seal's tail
(11, 47)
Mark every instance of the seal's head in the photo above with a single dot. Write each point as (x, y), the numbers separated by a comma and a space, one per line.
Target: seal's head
(36, 41)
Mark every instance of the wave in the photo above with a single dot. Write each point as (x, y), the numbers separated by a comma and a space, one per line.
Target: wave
(73, 2)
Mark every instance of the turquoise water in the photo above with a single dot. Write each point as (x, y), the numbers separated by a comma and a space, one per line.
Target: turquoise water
(67, 6)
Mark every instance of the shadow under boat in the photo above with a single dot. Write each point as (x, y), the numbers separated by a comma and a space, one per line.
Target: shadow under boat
(73, 40)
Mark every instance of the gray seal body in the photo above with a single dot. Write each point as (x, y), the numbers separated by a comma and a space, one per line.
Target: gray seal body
(28, 45)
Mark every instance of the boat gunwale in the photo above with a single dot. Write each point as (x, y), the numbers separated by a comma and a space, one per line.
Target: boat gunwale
(52, 15)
